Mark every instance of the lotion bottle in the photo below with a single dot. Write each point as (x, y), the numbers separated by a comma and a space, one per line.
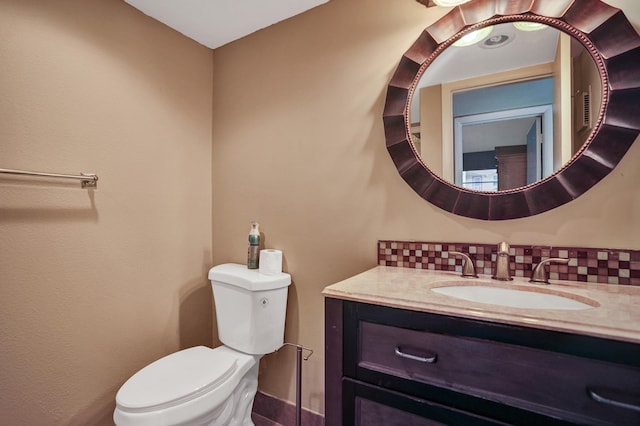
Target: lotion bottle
(254, 246)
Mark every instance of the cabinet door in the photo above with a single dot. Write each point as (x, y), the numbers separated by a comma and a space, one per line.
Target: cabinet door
(581, 390)
(478, 366)
(368, 405)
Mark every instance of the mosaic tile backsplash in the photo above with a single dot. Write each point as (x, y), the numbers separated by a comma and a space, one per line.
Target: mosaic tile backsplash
(608, 266)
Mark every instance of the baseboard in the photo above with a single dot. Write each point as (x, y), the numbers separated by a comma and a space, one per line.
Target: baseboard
(282, 412)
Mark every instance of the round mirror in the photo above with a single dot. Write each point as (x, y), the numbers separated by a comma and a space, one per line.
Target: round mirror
(573, 100)
(492, 106)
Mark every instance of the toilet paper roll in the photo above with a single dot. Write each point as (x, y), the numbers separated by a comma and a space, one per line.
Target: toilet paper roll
(270, 262)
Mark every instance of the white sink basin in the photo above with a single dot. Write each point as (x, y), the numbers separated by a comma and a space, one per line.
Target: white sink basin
(512, 297)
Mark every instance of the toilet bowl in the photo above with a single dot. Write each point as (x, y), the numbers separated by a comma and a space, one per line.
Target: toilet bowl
(204, 386)
(196, 386)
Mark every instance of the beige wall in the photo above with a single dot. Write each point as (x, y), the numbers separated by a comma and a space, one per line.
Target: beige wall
(431, 145)
(96, 284)
(299, 146)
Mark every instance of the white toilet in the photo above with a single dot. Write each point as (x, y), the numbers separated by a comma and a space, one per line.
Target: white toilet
(204, 386)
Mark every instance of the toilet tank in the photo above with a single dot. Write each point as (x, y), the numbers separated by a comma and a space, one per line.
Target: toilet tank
(250, 307)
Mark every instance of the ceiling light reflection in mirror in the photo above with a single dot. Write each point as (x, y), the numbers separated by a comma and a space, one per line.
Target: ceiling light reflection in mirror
(449, 3)
(546, 131)
(474, 37)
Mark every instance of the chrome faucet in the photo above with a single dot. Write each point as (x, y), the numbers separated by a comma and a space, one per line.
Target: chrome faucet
(468, 270)
(502, 272)
(539, 274)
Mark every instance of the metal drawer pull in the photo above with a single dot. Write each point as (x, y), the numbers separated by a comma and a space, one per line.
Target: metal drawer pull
(429, 360)
(609, 400)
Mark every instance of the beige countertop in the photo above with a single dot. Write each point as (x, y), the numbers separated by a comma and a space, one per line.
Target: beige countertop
(615, 313)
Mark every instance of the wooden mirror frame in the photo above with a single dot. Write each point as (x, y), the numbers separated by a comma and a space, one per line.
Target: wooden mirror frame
(615, 47)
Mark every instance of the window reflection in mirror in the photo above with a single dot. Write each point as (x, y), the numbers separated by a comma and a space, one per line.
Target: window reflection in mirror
(505, 111)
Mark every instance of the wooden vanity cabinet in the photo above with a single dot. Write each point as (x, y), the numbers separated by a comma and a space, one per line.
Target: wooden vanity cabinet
(389, 366)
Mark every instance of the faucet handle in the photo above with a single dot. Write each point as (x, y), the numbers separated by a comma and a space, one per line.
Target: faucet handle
(468, 270)
(539, 274)
(503, 247)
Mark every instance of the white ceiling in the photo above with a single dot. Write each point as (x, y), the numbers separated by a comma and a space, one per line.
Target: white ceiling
(523, 49)
(214, 23)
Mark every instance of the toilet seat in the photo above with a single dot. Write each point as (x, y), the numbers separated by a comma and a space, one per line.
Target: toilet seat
(176, 378)
(184, 387)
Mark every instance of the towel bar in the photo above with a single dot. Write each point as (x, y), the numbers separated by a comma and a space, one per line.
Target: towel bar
(87, 180)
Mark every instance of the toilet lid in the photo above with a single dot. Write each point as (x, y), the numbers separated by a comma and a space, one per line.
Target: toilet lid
(176, 378)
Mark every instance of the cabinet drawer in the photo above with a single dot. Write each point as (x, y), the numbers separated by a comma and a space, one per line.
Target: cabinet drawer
(371, 405)
(559, 385)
